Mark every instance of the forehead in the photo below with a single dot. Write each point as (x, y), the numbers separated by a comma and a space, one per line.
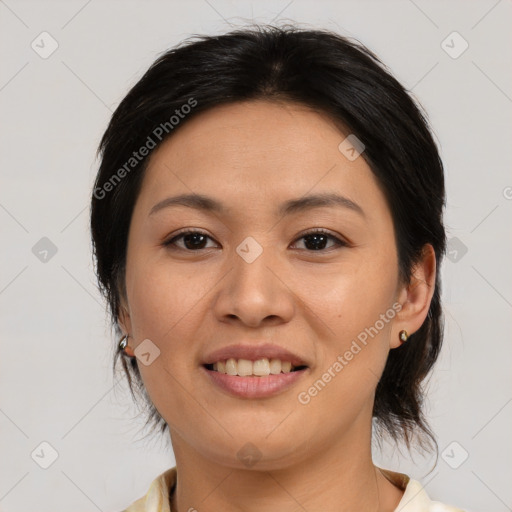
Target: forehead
(258, 154)
(273, 132)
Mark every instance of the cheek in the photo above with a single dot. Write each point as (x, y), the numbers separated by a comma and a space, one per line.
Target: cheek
(352, 298)
(355, 303)
(359, 315)
(164, 308)
(161, 296)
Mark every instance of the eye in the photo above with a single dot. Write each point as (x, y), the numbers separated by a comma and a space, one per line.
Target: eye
(192, 241)
(196, 240)
(316, 240)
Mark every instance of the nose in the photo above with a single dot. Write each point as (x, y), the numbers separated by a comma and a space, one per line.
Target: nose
(255, 293)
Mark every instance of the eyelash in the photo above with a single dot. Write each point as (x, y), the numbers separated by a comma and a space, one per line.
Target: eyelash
(319, 231)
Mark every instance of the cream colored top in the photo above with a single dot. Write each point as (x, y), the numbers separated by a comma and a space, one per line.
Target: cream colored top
(414, 499)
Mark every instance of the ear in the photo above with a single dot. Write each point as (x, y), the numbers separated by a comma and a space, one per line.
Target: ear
(125, 323)
(415, 296)
(124, 319)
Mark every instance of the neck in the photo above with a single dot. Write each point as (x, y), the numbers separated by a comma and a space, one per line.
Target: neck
(331, 476)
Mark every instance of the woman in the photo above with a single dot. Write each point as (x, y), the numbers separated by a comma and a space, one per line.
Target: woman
(268, 230)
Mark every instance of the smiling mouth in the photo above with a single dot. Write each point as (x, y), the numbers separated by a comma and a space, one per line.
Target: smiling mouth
(260, 368)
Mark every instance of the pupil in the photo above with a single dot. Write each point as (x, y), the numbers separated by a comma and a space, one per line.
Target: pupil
(195, 238)
(316, 238)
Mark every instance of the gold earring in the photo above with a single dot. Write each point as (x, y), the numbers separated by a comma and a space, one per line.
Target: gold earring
(403, 335)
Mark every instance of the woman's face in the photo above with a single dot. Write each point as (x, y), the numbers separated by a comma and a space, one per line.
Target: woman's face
(252, 277)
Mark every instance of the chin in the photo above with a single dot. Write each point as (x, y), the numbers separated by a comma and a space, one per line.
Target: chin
(255, 453)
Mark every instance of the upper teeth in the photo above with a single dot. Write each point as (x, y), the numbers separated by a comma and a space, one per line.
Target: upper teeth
(260, 367)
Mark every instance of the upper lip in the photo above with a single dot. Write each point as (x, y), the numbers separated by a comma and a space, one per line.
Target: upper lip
(252, 353)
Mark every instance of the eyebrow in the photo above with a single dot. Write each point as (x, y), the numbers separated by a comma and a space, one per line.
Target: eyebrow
(208, 204)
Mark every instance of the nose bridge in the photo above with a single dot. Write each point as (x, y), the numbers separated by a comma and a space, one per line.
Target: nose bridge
(251, 261)
(253, 290)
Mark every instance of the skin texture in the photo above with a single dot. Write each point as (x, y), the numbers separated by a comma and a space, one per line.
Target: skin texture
(253, 156)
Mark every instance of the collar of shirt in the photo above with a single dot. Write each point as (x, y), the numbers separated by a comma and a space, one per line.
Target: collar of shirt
(414, 499)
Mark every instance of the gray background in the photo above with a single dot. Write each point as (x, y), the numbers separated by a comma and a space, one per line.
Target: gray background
(55, 379)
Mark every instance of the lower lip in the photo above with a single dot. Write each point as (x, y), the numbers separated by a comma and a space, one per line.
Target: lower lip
(254, 387)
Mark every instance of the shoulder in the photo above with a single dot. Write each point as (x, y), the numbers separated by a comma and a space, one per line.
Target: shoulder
(157, 497)
(415, 497)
